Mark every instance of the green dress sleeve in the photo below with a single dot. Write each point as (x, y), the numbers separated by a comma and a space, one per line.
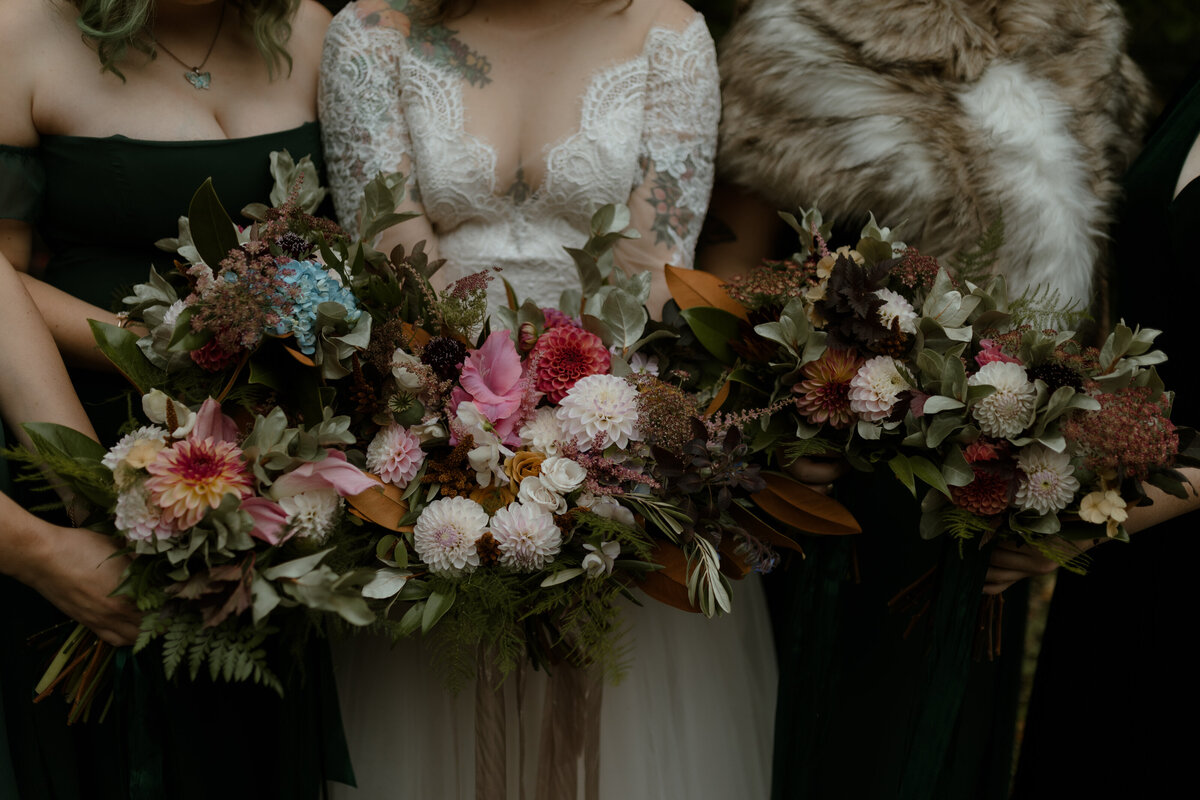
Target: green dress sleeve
(22, 183)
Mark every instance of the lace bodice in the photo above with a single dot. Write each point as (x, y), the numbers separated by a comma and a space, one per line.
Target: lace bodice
(646, 137)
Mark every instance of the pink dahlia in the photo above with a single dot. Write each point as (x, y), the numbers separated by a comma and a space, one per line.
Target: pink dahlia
(987, 495)
(564, 355)
(824, 395)
(395, 455)
(553, 318)
(193, 476)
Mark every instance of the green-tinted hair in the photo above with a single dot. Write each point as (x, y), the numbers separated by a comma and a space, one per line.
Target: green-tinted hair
(114, 26)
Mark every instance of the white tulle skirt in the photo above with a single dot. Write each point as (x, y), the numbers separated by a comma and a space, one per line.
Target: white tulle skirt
(692, 719)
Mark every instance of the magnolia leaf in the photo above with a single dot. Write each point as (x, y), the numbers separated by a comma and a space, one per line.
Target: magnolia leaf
(791, 502)
(761, 530)
(51, 439)
(691, 288)
(562, 576)
(719, 400)
(213, 232)
(732, 563)
(669, 584)
(383, 504)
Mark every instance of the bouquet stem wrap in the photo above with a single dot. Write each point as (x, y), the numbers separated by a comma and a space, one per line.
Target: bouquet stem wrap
(570, 737)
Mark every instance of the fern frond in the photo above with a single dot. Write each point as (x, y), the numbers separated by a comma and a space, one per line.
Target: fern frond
(976, 265)
(1042, 307)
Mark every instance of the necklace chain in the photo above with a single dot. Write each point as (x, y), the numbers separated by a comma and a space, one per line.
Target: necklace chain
(198, 79)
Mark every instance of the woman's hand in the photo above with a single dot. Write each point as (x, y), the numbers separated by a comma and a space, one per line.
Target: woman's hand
(1012, 562)
(74, 569)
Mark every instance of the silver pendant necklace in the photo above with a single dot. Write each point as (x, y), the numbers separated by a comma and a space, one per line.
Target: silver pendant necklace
(198, 79)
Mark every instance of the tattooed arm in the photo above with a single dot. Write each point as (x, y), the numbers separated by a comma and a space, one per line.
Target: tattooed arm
(678, 144)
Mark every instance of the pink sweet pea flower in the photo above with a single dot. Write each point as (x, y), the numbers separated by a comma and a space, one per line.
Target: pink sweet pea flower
(269, 519)
(493, 379)
(332, 472)
(992, 352)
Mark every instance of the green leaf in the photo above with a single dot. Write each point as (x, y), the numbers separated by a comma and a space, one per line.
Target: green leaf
(435, 608)
(411, 620)
(590, 277)
(903, 471)
(296, 568)
(213, 231)
(924, 469)
(625, 316)
(120, 346)
(955, 468)
(386, 583)
(562, 576)
(939, 402)
(52, 439)
(714, 329)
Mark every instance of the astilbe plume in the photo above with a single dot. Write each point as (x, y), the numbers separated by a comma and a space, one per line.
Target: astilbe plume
(772, 284)
(605, 475)
(1128, 435)
(246, 297)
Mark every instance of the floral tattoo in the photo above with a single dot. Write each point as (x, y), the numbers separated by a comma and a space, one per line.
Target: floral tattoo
(671, 221)
(436, 44)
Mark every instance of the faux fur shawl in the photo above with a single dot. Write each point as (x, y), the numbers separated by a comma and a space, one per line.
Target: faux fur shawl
(941, 114)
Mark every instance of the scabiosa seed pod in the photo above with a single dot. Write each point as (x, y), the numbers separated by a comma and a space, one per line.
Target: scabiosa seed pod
(1056, 375)
(295, 245)
(444, 356)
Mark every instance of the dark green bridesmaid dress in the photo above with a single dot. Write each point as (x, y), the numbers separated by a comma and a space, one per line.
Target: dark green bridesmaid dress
(1115, 699)
(99, 205)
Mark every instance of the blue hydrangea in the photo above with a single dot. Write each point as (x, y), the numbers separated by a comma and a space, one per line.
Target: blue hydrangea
(316, 286)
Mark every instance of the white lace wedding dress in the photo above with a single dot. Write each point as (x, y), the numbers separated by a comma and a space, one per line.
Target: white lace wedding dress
(693, 718)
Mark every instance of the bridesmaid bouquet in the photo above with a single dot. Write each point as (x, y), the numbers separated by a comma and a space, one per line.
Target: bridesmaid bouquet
(227, 527)
(875, 354)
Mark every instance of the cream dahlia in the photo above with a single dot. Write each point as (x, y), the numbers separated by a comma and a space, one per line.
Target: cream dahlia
(138, 518)
(600, 405)
(542, 432)
(445, 535)
(527, 536)
(1047, 481)
(194, 475)
(875, 388)
(564, 354)
(896, 311)
(1009, 410)
(312, 514)
(395, 455)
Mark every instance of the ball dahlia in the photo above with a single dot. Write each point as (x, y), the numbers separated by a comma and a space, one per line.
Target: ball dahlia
(446, 532)
(527, 536)
(565, 354)
(1047, 483)
(395, 455)
(1009, 410)
(875, 388)
(600, 405)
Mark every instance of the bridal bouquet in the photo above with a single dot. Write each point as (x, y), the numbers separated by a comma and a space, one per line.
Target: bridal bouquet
(228, 528)
(875, 354)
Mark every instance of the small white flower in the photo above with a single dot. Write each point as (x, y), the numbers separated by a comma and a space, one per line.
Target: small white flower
(406, 369)
(600, 405)
(875, 388)
(446, 532)
(312, 514)
(487, 460)
(543, 433)
(138, 518)
(896, 308)
(607, 506)
(1104, 508)
(599, 561)
(534, 491)
(153, 435)
(171, 315)
(1009, 410)
(429, 429)
(562, 475)
(1047, 482)
(154, 404)
(526, 535)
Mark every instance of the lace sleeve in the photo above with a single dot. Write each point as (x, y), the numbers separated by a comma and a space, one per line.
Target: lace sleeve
(362, 119)
(683, 107)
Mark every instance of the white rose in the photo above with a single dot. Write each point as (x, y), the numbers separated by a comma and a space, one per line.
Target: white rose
(534, 492)
(406, 377)
(562, 475)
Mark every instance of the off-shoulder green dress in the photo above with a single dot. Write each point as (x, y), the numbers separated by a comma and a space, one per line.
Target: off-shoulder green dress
(99, 204)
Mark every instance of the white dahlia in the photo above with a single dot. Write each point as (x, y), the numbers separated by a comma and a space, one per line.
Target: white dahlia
(312, 514)
(446, 532)
(395, 455)
(526, 535)
(875, 388)
(600, 405)
(138, 518)
(542, 432)
(896, 308)
(1009, 410)
(1047, 482)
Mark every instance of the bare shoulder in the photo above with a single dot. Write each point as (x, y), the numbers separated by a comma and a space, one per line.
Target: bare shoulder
(308, 27)
(672, 14)
(32, 34)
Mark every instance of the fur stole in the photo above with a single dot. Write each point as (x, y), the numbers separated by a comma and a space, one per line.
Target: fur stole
(941, 115)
